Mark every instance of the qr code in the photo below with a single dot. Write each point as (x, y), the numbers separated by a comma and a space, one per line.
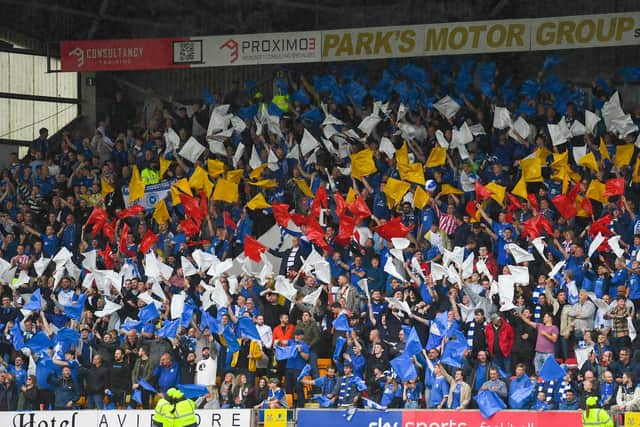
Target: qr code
(187, 52)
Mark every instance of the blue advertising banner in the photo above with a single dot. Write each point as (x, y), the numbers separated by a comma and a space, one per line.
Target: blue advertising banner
(361, 418)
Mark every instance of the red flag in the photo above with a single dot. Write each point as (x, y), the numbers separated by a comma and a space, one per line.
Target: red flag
(565, 206)
(227, 221)
(281, 213)
(471, 208)
(614, 187)
(298, 219)
(109, 230)
(392, 228)
(123, 241)
(533, 227)
(341, 205)
(134, 210)
(106, 256)
(481, 191)
(514, 203)
(148, 240)
(601, 226)
(587, 206)
(533, 200)
(359, 208)
(253, 249)
(319, 202)
(544, 224)
(573, 193)
(191, 206)
(190, 226)
(97, 216)
(347, 225)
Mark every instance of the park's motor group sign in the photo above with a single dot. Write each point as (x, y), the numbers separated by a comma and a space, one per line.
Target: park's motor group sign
(520, 35)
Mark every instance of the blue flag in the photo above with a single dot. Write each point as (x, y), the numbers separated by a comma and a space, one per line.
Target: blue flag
(35, 303)
(230, 338)
(132, 324)
(416, 74)
(75, 310)
(145, 385)
(630, 74)
(18, 339)
(148, 313)
(207, 98)
(274, 110)
(136, 396)
(193, 391)
(340, 341)
(530, 88)
(187, 315)
(314, 116)
(284, 353)
(413, 345)
(300, 96)
(442, 322)
(520, 392)
(425, 294)
(452, 353)
(402, 89)
(550, 370)
(248, 329)
(434, 340)
(248, 113)
(169, 328)
(341, 323)
(208, 321)
(306, 370)
(356, 92)
(324, 402)
(67, 337)
(489, 403)
(370, 404)
(39, 342)
(403, 367)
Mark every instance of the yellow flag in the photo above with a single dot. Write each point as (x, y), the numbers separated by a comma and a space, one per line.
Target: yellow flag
(602, 149)
(402, 155)
(596, 191)
(542, 153)
(589, 161)
(180, 186)
(395, 190)
(450, 189)
(351, 196)
(258, 202)
(497, 192)
(164, 165)
(635, 176)
(520, 189)
(136, 186)
(215, 168)
(560, 160)
(531, 169)
(226, 191)
(362, 164)
(257, 172)
(437, 157)
(265, 183)
(208, 188)
(160, 212)
(198, 179)
(105, 187)
(420, 198)
(624, 153)
(303, 186)
(565, 184)
(235, 175)
(412, 172)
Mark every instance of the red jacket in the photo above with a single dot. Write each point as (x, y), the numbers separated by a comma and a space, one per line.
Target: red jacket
(505, 337)
(283, 334)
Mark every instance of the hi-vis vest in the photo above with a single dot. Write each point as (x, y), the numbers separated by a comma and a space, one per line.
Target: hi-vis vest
(160, 415)
(596, 418)
(150, 176)
(185, 414)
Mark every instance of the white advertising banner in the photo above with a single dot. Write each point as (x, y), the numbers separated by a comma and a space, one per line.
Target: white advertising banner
(253, 49)
(119, 418)
(152, 194)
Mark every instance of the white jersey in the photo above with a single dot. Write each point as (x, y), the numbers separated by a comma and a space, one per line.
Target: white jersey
(206, 370)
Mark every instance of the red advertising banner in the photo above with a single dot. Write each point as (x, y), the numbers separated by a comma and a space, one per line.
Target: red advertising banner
(501, 419)
(125, 54)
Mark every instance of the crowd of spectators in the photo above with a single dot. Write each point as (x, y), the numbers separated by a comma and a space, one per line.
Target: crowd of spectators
(438, 235)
